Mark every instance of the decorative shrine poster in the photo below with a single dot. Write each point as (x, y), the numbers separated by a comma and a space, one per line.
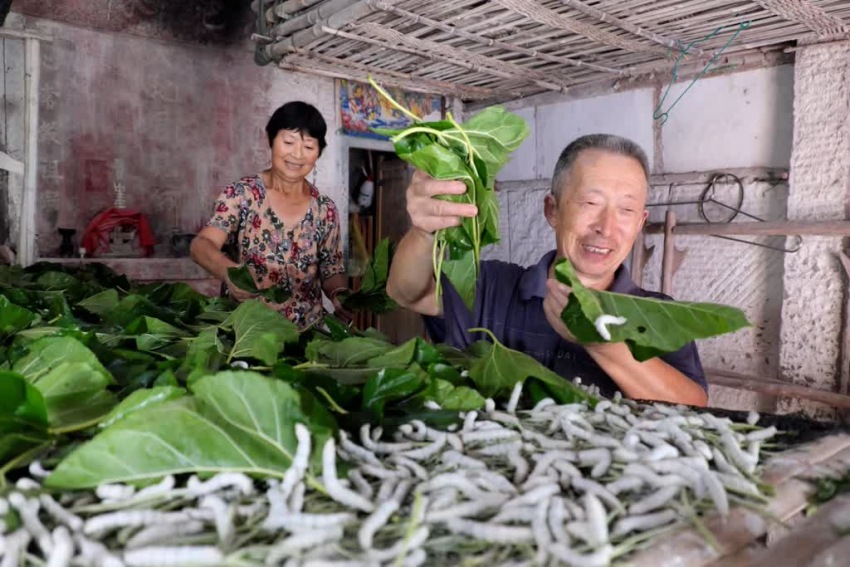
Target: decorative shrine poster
(362, 108)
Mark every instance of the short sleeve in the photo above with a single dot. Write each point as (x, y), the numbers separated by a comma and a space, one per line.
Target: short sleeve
(227, 208)
(330, 245)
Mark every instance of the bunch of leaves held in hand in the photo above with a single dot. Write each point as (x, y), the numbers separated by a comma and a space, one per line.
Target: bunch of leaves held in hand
(652, 326)
(241, 277)
(472, 152)
(372, 295)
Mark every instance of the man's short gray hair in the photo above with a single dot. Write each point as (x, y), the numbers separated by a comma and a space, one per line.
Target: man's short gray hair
(607, 142)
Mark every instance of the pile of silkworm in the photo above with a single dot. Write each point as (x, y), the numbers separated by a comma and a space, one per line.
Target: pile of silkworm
(557, 484)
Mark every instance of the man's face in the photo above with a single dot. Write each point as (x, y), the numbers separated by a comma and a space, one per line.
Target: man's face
(600, 211)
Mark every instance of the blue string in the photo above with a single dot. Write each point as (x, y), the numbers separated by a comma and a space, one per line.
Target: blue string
(666, 114)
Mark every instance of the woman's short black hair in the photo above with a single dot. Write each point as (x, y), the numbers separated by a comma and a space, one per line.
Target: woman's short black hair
(301, 117)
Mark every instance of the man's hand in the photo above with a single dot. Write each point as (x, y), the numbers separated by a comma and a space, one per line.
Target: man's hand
(428, 214)
(557, 296)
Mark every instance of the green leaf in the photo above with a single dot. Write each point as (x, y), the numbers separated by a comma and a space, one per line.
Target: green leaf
(139, 400)
(101, 303)
(48, 353)
(346, 353)
(652, 327)
(391, 384)
(372, 295)
(13, 318)
(400, 356)
(498, 370)
(463, 277)
(235, 421)
(56, 281)
(75, 395)
(260, 332)
(19, 401)
(241, 277)
(457, 398)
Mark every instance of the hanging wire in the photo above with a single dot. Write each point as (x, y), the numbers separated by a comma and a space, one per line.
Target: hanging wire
(656, 114)
(707, 197)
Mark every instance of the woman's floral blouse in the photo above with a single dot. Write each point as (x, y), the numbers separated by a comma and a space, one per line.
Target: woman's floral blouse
(295, 257)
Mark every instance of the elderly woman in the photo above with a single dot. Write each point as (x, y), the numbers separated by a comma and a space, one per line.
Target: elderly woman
(286, 232)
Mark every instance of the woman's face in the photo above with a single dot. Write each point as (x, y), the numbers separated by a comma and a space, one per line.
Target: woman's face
(294, 154)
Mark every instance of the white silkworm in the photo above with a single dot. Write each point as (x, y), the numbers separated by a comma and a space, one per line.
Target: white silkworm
(375, 522)
(601, 323)
(472, 508)
(753, 417)
(114, 492)
(63, 548)
(335, 489)
(416, 558)
(540, 529)
(400, 547)
(499, 449)
(455, 441)
(60, 514)
(737, 483)
(163, 533)
(25, 484)
(173, 556)
(16, 544)
(625, 483)
(488, 532)
(432, 405)
(278, 509)
(357, 451)
(363, 487)
(382, 473)
(458, 459)
(643, 522)
(520, 466)
(164, 486)
(222, 517)
(597, 519)
(599, 458)
(762, 435)
(428, 451)
(515, 515)
(37, 470)
(491, 481)
(556, 519)
(387, 489)
(655, 500)
(469, 421)
(741, 459)
(28, 512)
(114, 520)
(387, 448)
(296, 499)
(536, 495)
(489, 436)
(504, 418)
(489, 405)
(305, 521)
(716, 491)
(302, 540)
(453, 480)
(513, 401)
(586, 485)
(195, 488)
(661, 452)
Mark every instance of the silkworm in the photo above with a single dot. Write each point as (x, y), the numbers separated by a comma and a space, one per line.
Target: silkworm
(221, 513)
(418, 470)
(556, 519)
(16, 544)
(762, 435)
(601, 323)
(59, 513)
(491, 533)
(387, 489)
(540, 529)
(164, 486)
(469, 421)
(239, 481)
(655, 500)
(296, 499)
(504, 418)
(302, 540)
(426, 452)
(363, 487)
(335, 489)
(625, 483)
(173, 556)
(465, 509)
(753, 417)
(163, 533)
(514, 399)
(458, 459)
(367, 442)
(489, 436)
(741, 460)
(597, 519)
(278, 509)
(114, 520)
(28, 512)
(599, 458)
(716, 491)
(63, 548)
(376, 521)
(520, 466)
(534, 496)
(416, 558)
(643, 522)
(25, 484)
(37, 470)
(306, 521)
(586, 485)
(356, 451)
(419, 537)
(599, 558)
(114, 492)
(499, 449)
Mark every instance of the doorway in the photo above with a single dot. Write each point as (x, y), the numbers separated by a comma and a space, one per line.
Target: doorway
(371, 219)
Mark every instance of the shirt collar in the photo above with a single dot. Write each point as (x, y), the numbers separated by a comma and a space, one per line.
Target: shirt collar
(533, 281)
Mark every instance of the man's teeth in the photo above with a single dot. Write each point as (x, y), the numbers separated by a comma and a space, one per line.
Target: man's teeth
(596, 249)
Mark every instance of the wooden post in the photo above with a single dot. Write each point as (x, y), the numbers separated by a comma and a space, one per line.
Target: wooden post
(667, 267)
(638, 259)
(32, 71)
(844, 359)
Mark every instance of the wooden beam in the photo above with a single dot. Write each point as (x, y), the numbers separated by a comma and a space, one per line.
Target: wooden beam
(775, 388)
(669, 253)
(7, 33)
(10, 164)
(768, 228)
(32, 70)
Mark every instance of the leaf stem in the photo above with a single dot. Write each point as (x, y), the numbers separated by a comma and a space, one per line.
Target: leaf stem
(486, 332)
(392, 101)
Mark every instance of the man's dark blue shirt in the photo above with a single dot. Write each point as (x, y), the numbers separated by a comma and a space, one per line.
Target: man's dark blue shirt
(509, 302)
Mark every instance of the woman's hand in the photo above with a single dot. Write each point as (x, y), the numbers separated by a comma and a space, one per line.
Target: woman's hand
(339, 311)
(238, 293)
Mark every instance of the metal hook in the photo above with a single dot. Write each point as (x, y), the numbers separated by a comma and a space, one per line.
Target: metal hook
(707, 196)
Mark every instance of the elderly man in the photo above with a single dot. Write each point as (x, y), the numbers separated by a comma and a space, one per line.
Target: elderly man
(597, 207)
